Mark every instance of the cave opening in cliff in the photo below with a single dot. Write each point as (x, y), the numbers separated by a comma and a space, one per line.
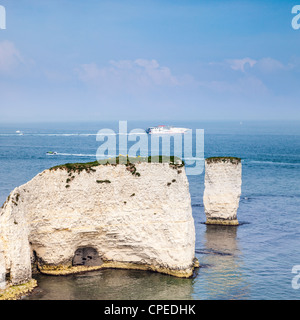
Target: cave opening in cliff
(8, 276)
(87, 256)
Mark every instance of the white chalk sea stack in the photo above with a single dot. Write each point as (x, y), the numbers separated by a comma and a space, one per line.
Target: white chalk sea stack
(223, 181)
(72, 218)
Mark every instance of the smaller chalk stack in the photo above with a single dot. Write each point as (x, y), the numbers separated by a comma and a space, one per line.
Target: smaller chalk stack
(223, 181)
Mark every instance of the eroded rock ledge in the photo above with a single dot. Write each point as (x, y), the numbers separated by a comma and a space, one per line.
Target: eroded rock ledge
(79, 217)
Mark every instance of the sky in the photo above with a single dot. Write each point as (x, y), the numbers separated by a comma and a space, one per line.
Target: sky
(98, 60)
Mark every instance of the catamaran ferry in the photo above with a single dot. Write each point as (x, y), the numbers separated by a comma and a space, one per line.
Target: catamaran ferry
(166, 129)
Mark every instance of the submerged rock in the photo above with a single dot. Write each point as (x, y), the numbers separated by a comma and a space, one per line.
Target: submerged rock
(74, 218)
(223, 180)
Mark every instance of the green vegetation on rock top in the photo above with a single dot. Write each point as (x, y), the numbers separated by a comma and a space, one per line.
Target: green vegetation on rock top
(233, 160)
(89, 166)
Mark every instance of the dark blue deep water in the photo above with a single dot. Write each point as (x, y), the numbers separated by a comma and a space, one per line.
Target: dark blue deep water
(251, 261)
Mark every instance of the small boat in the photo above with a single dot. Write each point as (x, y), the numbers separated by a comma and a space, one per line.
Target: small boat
(51, 153)
(20, 133)
(166, 129)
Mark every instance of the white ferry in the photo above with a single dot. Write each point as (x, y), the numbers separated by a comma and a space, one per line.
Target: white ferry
(166, 129)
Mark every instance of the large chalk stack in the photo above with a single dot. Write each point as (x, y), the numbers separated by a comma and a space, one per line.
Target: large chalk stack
(81, 217)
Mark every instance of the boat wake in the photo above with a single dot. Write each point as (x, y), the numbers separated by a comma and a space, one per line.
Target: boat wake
(68, 134)
(273, 163)
(71, 154)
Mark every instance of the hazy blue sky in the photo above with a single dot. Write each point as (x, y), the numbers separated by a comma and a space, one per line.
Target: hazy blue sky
(137, 60)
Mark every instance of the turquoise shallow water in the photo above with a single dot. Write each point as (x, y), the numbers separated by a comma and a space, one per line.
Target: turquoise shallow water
(251, 261)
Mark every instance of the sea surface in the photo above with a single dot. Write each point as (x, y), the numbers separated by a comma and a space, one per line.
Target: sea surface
(251, 261)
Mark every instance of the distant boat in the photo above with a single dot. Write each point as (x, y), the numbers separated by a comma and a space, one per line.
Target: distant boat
(20, 133)
(51, 153)
(165, 129)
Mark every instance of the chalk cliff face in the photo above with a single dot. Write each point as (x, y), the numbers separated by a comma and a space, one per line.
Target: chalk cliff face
(223, 180)
(115, 216)
(2, 268)
(14, 239)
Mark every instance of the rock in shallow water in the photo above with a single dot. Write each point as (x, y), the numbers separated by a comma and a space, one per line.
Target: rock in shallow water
(223, 180)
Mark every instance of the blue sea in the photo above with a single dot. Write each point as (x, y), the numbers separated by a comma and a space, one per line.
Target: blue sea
(251, 261)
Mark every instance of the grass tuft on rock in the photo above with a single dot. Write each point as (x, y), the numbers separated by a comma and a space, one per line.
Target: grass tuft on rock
(233, 160)
(128, 161)
(103, 181)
